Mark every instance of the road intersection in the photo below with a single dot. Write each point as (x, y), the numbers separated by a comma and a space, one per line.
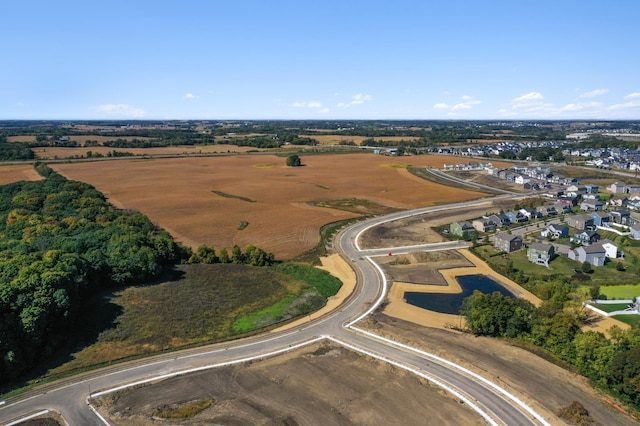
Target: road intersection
(496, 406)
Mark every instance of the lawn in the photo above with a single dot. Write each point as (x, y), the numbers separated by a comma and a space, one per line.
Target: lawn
(611, 307)
(632, 320)
(621, 291)
(561, 265)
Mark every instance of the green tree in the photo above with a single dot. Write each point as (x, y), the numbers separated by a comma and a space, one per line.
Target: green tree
(293, 160)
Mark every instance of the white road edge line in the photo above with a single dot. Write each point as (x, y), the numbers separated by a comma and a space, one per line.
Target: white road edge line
(97, 414)
(419, 373)
(383, 294)
(484, 380)
(207, 367)
(29, 417)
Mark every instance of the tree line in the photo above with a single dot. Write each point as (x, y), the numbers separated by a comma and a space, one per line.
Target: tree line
(61, 242)
(611, 363)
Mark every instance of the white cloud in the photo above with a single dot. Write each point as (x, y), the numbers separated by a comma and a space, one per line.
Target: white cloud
(324, 110)
(467, 103)
(529, 97)
(635, 95)
(594, 93)
(120, 110)
(627, 105)
(580, 106)
(357, 99)
(310, 104)
(190, 96)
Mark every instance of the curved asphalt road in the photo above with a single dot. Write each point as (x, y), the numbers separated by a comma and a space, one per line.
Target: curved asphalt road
(69, 397)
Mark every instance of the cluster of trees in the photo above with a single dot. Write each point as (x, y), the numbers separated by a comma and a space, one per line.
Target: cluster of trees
(294, 160)
(13, 151)
(614, 364)
(62, 241)
(536, 153)
(253, 256)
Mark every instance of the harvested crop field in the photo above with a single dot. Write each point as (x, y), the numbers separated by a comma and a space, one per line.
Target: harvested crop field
(49, 153)
(15, 173)
(178, 194)
(326, 385)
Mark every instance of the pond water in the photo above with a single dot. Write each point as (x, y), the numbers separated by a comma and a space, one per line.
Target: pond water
(451, 303)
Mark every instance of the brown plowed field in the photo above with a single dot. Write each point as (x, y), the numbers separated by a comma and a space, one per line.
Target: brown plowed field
(177, 194)
(49, 153)
(14, 173)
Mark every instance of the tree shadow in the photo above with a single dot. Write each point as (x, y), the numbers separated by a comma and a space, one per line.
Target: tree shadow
(96, 314)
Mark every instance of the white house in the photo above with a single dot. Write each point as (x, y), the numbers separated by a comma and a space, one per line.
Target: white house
(611, 250)
(522, 180)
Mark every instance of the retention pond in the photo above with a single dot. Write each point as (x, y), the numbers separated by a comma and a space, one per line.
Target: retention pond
(451, 303)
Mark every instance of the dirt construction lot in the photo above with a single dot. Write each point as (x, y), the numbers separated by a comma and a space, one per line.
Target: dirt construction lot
(315, 385)
(261, 190)
(330, 385)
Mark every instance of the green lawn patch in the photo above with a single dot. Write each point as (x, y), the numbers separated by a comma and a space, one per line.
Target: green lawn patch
(621, 291)
(224, 194)
(264, 317)
(611, 307)
(632, 320)
(243, 224)
(322, 281)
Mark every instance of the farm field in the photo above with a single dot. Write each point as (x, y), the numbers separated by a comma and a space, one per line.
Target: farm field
(336, 139)
(50, 153)
(81, 138)
(14, 173)
(273, 199)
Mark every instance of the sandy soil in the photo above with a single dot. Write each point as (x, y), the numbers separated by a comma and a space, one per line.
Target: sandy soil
(15, 173)
(543, 385)
(326, 385)
(398, 308)
(340, 269)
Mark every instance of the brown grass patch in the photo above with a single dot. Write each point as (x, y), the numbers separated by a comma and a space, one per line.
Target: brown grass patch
(15, 173)
(176, 194)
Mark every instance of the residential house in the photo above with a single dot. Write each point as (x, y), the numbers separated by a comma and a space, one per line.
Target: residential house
(618, 201)
(591, 205)
(521, 180)
(555, 231)
(617, 187)
(484, 225)
(633, 188)
(621, 216)
(592, 189)
(600, 218)
(500, 219)
(459, 228)
(569, 201)
(530, 213)
(585, 237)
(507, 242)
(635, 231)
(564, 209)
(581, 221)
(516, 217)
(610, 248)
(547, 211)
(594, 254)
(540, 254)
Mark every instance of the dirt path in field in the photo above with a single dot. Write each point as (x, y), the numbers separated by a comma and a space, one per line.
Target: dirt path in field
(340, 269)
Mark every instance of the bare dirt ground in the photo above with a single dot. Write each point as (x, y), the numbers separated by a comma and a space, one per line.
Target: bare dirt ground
(538, 382)
(418, 229)
(326, 385)
(15, 173)
(422, 267)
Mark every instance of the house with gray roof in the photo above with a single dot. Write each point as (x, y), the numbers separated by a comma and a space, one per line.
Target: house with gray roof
(459, 228)
(585, 237)
(555, 231)
(594, 254)
(507, 242)
(540, 253)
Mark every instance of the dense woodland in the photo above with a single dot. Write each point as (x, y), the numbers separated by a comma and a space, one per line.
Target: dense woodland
(61, 241)
(555, 327)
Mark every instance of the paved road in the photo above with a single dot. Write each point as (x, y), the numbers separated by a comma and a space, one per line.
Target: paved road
(494, 404)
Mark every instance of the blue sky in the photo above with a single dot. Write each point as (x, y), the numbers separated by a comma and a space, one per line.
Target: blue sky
(326, 59)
